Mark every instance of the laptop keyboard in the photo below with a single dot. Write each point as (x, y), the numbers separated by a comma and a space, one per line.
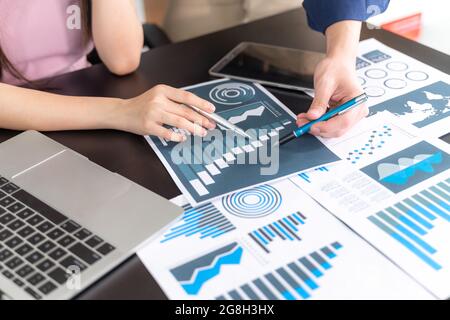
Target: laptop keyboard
(39, 245)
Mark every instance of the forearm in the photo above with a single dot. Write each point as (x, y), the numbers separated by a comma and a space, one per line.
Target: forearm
(25, 109)
(117, 34)
(343, 39)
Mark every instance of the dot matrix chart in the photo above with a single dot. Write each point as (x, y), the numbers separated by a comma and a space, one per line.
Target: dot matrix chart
(376, 140)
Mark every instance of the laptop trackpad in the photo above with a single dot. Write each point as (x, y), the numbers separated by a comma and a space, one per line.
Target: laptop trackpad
(72, 184)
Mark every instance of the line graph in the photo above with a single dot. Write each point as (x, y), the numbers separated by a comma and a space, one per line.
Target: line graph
(194, 274)
(257, 112)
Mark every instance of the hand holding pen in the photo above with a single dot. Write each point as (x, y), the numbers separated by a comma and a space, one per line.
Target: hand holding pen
(347, 106)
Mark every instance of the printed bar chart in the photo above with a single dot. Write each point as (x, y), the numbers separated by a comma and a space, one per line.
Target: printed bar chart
(409, 221)
(294, 281)
(202, 174)
(206, 221)
(286, 229)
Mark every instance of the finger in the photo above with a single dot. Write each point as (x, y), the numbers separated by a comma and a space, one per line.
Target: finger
(185, 97)
(182, 123)
(339, 125)
(302, 119)
(321, 101)
(167, 134)
(191, 115)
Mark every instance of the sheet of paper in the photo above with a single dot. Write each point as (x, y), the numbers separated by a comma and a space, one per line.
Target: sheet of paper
(412, 90)
(397, 197)
(271, 242)
(203, 175)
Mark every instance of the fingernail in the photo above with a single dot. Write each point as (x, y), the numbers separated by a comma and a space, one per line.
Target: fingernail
(212, 107)
(313, 113)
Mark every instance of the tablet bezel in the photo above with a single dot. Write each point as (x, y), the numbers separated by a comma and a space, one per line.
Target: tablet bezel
(230, 56)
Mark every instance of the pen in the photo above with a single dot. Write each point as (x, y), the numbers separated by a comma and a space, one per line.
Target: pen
(223, 122)
(347, 106)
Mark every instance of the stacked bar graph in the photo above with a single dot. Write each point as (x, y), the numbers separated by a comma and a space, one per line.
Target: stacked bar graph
(205, 221)
(305, 176)
(286, 229)
(410, 220)
(294, 281)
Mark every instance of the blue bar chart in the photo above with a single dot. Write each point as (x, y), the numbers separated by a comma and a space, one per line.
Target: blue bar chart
(411, 220)
(295, 281)
(286, 229)
(206, 221)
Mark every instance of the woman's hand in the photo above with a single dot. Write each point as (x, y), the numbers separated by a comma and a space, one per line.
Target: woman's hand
(163, 105)
(335, 83)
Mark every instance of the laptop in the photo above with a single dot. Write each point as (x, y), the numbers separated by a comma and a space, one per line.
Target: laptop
(65, 221)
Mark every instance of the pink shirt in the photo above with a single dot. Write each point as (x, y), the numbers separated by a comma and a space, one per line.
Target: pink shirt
(35, 37)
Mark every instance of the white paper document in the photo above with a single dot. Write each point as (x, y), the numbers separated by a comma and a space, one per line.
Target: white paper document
(271, 242)
(393, 188)
(412, 90)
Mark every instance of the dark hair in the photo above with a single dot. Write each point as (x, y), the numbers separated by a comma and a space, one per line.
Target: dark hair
(5, 64)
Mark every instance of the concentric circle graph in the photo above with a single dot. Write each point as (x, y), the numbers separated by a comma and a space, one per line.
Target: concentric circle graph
(374, 92)
(397, 66)
(253, 203)
(417, 76)
(376, 74)
(232, 93)
(395, 84)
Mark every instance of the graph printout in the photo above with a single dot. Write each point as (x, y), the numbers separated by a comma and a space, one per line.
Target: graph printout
(396, 197)
(239, 163)
(410, 89)
(270, 242)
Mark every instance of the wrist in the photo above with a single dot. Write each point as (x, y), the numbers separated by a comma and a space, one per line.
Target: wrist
(345, 60)
(343, 40)
(114, 116)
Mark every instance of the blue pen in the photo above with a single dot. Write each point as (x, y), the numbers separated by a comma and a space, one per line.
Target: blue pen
(327, 116)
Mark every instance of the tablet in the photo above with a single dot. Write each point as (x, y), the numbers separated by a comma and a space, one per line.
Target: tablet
(270, 65)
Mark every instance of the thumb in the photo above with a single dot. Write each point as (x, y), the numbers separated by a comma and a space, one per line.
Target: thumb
(320, 104)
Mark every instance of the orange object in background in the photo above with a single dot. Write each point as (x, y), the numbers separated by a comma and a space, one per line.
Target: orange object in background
(408, 27)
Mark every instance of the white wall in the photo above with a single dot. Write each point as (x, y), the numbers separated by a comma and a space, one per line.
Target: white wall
(436, 24)
(435, 15)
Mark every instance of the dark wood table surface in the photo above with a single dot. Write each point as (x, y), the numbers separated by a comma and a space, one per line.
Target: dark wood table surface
(179, 65)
